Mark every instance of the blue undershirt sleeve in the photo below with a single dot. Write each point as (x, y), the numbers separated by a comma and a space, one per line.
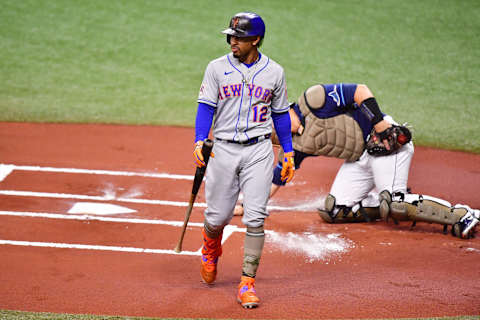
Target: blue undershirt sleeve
(204, 120)
(282, 124)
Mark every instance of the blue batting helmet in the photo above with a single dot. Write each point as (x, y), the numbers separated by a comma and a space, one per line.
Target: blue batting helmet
(245, 24)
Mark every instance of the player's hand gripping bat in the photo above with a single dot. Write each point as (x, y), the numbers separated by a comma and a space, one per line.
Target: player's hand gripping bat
(197, 181)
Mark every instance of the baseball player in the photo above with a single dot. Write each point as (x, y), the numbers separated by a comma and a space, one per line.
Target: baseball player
(244, 91)
(344, 121)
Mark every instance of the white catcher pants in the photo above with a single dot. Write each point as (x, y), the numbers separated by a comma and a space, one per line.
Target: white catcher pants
(365, 178)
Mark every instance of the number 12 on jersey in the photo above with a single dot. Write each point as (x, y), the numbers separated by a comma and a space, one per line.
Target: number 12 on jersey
(260, 113)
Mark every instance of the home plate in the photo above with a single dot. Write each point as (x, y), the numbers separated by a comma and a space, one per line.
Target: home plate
(98, 208)
(5, 170)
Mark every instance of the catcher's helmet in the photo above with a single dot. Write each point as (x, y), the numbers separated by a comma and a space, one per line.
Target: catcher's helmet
(245, 24)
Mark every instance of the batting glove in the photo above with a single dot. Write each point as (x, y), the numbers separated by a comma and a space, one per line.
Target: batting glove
(288, 167)
(198, 156)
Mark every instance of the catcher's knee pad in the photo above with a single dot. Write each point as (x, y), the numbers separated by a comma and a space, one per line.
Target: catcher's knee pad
(385, 201)
(334, 213)
(327, 215)
(330, 202)
(393, 206)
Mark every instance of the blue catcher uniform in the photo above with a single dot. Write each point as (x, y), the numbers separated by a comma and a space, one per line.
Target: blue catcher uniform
(355, 179)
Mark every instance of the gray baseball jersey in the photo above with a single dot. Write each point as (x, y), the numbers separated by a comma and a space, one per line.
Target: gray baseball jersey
(243, 98)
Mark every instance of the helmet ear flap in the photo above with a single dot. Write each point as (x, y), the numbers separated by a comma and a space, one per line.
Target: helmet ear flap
(228, 38)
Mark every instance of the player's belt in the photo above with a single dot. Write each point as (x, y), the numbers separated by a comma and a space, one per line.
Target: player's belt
(249, 141)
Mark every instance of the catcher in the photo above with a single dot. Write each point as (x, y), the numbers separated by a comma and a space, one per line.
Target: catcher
(344, 121)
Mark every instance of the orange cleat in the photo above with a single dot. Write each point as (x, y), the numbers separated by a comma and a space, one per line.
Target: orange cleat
(247, 296)
(211, 250)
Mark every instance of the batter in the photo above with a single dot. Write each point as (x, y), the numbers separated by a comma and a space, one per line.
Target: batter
(244, 91)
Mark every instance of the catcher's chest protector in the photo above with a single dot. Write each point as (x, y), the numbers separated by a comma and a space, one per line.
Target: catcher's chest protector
(339, 136)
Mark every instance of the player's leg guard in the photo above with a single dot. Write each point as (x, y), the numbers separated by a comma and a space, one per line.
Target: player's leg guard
(334, 213)
(327, 215)
(253, 247)
(211, 251)
(385, 201)
(416, 207)
(254, 240)
(393, 206)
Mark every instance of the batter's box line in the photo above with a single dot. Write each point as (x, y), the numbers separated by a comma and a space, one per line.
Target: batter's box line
(6, 169)
(95, 247)
(228, 231)
(19, 193)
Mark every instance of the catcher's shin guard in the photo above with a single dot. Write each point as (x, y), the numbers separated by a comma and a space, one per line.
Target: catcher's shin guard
(342, 214)
(416, 207)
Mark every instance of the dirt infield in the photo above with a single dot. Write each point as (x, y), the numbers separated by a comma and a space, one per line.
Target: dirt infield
(55, 259)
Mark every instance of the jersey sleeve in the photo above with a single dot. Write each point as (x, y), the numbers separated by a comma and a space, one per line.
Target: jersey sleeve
(209, 89)
(280, 97)
(339, 95)
(282, 124)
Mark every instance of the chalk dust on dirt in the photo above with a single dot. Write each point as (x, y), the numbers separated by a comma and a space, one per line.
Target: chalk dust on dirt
(314, 247)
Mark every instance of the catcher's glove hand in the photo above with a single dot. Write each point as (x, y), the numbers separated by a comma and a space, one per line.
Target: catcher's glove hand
(396, 137)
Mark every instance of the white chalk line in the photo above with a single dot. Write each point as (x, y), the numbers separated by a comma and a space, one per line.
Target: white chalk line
(313, 247)
(8, 168)
(227, 232)
(94, 247)
(19, 193)
(86, 217)
(95, 198)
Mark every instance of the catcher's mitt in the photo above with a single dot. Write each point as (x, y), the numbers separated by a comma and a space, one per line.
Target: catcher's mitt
(396, 136)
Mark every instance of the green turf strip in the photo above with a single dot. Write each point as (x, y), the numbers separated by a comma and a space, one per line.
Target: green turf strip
(141, 62)
(17, 315)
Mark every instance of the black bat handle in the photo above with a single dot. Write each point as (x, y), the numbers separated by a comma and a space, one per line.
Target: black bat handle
(200, 172)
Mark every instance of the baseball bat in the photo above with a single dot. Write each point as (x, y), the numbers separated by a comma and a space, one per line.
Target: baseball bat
(197, 181)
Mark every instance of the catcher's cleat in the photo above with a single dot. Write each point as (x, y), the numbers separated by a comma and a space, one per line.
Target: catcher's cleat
(211, 250)
(466, 226)
(247, 296)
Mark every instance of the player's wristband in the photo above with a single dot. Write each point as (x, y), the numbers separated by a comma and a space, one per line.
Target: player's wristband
(371, 110)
